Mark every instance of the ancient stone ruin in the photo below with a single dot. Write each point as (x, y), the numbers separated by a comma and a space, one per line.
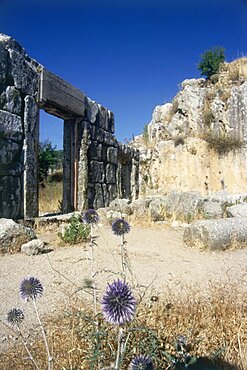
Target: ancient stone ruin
(96, 167)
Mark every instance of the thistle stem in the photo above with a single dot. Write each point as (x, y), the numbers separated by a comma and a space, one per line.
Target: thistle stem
(26, 348)
(92, 271)
(49, 358)
(119, 349)
(123, 257)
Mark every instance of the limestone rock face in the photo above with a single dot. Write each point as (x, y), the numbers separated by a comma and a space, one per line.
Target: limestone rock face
(13, 235)
(199, 141)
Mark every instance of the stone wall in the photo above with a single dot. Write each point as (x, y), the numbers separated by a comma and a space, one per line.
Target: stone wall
(92, 155)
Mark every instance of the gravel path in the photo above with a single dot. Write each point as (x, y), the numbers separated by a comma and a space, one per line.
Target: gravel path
(158, 257)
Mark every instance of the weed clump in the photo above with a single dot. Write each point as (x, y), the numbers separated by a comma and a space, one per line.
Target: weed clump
(223, 144)
(76, 231)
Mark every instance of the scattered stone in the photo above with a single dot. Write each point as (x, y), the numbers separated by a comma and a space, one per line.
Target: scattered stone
(33, 247)
(113, 215)
(140, 206)
(121, 205)
(239, 210)
(13, 235)
(217, 234)
(212, 209)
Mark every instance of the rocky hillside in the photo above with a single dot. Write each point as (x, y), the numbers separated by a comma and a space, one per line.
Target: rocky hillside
(199, 140)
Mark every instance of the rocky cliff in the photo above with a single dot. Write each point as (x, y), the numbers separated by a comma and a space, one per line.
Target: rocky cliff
(199, 140)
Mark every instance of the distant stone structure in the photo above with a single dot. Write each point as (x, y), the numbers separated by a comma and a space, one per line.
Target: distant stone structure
(96, 167)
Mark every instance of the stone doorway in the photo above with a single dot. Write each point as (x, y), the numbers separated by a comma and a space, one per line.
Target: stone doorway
(62, 100)
(50, 190)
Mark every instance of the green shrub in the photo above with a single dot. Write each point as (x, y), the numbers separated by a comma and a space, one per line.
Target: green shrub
(145, 134)
(211, 61)
(76, 231)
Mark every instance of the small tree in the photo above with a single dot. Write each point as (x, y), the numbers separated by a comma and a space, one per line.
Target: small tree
(211, 60)
(47, 159)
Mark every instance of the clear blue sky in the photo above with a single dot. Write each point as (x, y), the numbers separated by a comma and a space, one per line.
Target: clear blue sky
(127, 55)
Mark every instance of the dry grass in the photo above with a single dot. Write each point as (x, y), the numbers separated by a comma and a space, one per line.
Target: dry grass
(223, 144)
(213, 321)
(50, 197)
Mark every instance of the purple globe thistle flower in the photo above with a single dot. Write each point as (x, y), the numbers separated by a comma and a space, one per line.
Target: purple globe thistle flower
(31, 288)
(141, 362)
(120, 227)
(90, 216)
(118, 303)
(15, 316)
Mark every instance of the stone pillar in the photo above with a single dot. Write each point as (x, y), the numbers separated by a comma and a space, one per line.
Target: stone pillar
(83, 169)
(30, 149)
(68, 166)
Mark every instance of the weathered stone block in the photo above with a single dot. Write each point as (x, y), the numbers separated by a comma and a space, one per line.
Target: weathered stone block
(91, 110)
(99, 197)
(239, 210)
(12, 169)
(3, 63)
(112, 192)
(121, 205)
(95, 150)
(13, 235)
(9, 151)
(33, 248)
(96, 172)
(102, 118)
(23, 73)
(31, 141)
(217, 234)
(110, 140)
(97, 134)
(10, 197)
(112, 155)
(110, 174)
(110, 123)
(10, 126)
(211, 209)
(13, 100)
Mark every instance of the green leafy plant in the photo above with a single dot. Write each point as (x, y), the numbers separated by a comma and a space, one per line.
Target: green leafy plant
(145, 134)
(76, 231)
(211, 61)
(48, 159)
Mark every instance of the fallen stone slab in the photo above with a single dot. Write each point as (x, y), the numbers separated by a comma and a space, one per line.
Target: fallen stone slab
(33, 248)
(239, 210)
(217, 234)
(13, 235)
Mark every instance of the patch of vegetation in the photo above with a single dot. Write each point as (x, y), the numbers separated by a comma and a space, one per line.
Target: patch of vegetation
(223, 144)
(145, 135)
(208, 117)
(179, 141)
(76, 231)
(49, 159)
(211, 61)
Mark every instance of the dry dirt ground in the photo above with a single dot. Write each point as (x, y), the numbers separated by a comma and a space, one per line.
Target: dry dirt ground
(158, 257)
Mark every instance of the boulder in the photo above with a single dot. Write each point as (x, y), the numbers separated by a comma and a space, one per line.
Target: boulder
(140, 206)
(121, 205)
(217, 234)
(33, 247)
(239, 210)
(13, 235)
(157, 209)
(212, 209)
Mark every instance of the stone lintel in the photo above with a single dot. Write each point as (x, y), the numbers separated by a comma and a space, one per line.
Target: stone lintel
(58, 97)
